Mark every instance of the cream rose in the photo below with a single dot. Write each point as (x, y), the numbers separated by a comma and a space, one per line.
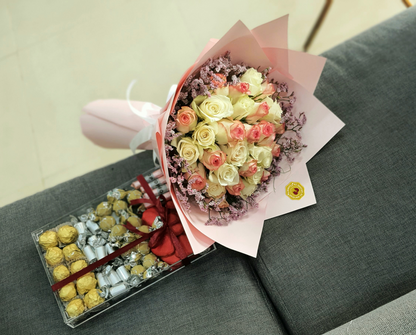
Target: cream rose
(256, 178)
(215, 190)
(243, 107)
(226, 175)
(236, 155)
(275, 112)
(189, 150)
(263, 155)
(215, 108)
(248, 189)
(254, 78)
(204, 135)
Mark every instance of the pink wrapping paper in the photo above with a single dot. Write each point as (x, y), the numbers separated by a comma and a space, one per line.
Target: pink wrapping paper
(264, 46)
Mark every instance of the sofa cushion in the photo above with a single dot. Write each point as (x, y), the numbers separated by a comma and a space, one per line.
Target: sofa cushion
(355, 250)
(218, 294)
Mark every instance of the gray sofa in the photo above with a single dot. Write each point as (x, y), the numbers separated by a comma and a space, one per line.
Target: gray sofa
(345, 266)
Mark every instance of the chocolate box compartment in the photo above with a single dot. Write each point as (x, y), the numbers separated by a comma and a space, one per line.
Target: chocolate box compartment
(109, 302)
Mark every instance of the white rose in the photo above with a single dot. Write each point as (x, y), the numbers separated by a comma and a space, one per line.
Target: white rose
(275, 112)
(255, 79)
(263, 155)
(189, 150)
(215, 108)
(215, 190)
(243, 107)
(256, 178)
(204, 135)
(226, 175)
(236, 155)
(222, 91)
(248, 189)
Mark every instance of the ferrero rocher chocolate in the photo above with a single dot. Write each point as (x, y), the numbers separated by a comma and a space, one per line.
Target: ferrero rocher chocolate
(107, 222)
(60, 273)
(118, 230)
(137, 270)
(149, 260)
(67, 234)
(135, 221)
(72, 252)
(104, 209)
(75, 308)
(143, 248)
(133, 195)
(48, 239)
(67, 292)
(78, 265)
(86, 283)
(92, 298)
(119, 205)
(54, 256)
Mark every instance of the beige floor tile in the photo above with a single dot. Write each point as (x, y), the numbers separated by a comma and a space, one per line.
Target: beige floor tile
(19, 163)
(14, 195)
(7, 43)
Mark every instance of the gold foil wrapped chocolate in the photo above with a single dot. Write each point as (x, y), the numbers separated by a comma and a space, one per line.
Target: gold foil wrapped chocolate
(143, 248)
(54, 256)
(103, 209)
(135, 221)
(149, 260)
(137, 270)
(72, 252)
(107, 222)
(92, 298)
(116, 195)
(78, 265)
(118, 230)
(119, 205)
(144, 229)
(60, 273)
(75, 308)
(67, 292)
(86, 283)
(48, 239)
(67, 234)
(133, 195)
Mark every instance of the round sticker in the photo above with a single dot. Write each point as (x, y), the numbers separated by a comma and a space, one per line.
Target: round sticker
(295, 191)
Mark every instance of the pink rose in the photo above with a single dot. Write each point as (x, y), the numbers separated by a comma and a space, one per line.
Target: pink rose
(267, 128)
(253, 133)
(237, 131)
(267, 90)
(261, 111)
(213, 159)
(280, 129)
(186, 120)
(265, 176)
(267, 141)
(236, 91)
(236, 189)
(198, 179)
(276, 150)
(248, 169)
(229, 131)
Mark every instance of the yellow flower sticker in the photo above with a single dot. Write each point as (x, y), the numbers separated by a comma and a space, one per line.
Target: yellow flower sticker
(295, 191)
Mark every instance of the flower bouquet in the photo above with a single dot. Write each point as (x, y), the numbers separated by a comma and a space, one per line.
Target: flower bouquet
(240, 121)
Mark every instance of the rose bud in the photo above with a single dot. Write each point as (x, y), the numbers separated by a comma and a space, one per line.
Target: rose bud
(266, 175)
(253, 133)
(280, 129)
(267, 141)
(198, 178)
(186, 120)
(236, 189)
(236, 91)
(267, 89)
(276, 150)
(248, 169)
(213, 159)
(223, 204)
(261, 111)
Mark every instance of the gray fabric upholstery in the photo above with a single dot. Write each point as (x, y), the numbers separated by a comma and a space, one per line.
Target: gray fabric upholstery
(355, 250)
(396, 317)
(215, 295)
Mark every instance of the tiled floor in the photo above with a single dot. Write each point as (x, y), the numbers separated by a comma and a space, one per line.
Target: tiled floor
(56, 56)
